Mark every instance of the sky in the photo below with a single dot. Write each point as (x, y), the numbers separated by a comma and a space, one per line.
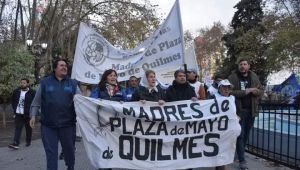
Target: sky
(196, 14)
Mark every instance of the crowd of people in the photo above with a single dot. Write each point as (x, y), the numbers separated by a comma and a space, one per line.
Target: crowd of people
(54, 98)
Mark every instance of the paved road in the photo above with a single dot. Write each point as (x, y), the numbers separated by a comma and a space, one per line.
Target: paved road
(33, 158)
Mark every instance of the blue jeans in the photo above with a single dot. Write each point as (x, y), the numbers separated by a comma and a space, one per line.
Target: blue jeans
(50, 138)
(246, 122)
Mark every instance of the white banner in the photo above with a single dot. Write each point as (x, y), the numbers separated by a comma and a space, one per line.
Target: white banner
(190, 60)
(176, 135)
(161, 52)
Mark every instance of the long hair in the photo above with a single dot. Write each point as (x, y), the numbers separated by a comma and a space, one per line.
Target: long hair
(102, 83)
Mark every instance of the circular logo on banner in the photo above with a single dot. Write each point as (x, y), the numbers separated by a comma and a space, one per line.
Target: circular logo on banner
(95, 50)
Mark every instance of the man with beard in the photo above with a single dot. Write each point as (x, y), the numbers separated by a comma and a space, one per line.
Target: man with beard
(21, 101)
(247, 91)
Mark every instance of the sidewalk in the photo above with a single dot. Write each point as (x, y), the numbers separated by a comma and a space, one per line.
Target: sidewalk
(33, 158)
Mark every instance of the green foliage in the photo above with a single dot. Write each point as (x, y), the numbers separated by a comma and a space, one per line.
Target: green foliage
(284, 37)
(15, 63)
(247, 38)
(124, 23)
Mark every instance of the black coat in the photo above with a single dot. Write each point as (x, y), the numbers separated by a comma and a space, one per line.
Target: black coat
(29, 96)
(177, 92)
(142, 93)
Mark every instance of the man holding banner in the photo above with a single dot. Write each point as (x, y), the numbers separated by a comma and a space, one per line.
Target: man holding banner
(180, 89)
(132, 87)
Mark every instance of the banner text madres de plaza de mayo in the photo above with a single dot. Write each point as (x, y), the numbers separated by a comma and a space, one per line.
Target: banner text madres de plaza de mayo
(176, 135)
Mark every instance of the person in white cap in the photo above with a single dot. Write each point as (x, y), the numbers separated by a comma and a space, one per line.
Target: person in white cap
(213, 89)
(224, 90)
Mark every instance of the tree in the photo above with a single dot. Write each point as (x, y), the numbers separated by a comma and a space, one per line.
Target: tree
(124, 23)
(285, 9)
(188, 37)
(283, 32)
(210, 49)
(15, 63)
(284, 38)
(247, 38)
(3, 3)
(32, 19)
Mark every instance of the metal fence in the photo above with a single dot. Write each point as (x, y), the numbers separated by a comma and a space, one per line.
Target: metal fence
(276, 134)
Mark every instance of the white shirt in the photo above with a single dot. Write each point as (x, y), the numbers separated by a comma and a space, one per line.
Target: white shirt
(212, 90)
(152, 88)
(219, 95)
(20, 107)
(196, 86)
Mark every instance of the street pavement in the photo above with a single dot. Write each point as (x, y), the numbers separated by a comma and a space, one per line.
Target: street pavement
(33, 158)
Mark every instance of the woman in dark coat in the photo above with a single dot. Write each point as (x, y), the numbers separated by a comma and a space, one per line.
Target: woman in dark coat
(108, 88)
(150, 91)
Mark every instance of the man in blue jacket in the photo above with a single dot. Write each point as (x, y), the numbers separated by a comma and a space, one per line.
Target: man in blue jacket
(55, 98)
(133, 85)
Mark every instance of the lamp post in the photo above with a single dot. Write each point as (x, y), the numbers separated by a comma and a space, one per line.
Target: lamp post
(38, 50)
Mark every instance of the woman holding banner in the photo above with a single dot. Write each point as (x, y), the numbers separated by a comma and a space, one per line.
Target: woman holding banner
(149, 91)
(180, 89)
(108, 88)
(224, 90)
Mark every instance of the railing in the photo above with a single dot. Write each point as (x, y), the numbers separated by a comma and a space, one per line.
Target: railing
(276, 134)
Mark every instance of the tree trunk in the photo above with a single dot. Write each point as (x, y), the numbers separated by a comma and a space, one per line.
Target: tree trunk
(3, 3)
(16, 21)
(36, 71)
(54, 23)
(33, 20)
(4, 119)
(22, 22)
(29, 9)
(4, 106)
(50, 35)
(42, 23)
(29, 21)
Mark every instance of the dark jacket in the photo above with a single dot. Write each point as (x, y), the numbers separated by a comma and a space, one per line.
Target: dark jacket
(142, 93)
(177, 92)
(103, 94)
(29, 96)
(57, 106)
(239, 94)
